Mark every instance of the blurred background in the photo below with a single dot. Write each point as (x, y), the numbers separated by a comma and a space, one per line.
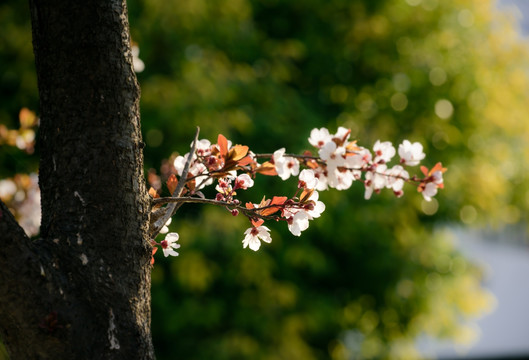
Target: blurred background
(380, 279)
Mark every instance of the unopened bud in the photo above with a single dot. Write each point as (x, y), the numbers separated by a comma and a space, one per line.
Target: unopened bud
(235, 212)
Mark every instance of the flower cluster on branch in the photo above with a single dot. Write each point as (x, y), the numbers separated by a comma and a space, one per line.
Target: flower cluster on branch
(335, 162)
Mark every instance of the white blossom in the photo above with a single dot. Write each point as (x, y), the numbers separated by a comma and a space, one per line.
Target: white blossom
(319, 137)
(319, 206)
(411, 154)
(298, 223)
(396, 178)
(285, 165)
(384, 151)
(243, 181)
(429, 191)
(307, 179)
(169, 245)
(254, 235)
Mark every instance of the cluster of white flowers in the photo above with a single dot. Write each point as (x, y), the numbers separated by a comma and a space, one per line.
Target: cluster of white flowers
(344, 162)
(297, 214)
(339, 163)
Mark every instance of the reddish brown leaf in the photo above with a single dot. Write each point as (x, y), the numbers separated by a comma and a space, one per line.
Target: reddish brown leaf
(245, 161)
(257, 222)
(249, 205)
(238, 152)
(154, 250)
(153, 193)
(223, 145)
(276, 200)
(267, 168)
(171, 183)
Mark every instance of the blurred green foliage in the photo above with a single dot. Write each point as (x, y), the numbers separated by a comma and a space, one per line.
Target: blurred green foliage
(368, 277)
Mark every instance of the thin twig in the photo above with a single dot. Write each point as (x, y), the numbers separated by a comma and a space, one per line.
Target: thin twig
(252, 213)
(302, 157)
(173, 207)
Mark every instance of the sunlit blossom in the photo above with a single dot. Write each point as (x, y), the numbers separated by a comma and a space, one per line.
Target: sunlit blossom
(243, 181)
(285, 165)
(384, 151)
(307, 179)
(169, 245)
(298, 223)
(429, 191)
(254, 235)
(319, 137)
(411, 154)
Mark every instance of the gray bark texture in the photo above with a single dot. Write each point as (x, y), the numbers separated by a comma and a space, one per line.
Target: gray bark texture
(82, 291)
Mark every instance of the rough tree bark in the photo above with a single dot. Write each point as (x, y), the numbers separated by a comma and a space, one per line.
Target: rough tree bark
(82, 291)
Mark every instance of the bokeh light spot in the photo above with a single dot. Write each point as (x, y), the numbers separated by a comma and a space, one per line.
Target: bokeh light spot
(399, 102)
(444, 109)
(437, 76)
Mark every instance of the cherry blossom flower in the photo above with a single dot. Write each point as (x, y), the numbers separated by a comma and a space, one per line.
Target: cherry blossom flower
(361, 158)
(434, 181)
(375, 180)
(429, 191)
(298, 223)
(340, 179)
(318, 207)
(224, 186)
(396, 178)
(180, 162)
(203, 148)
(307, 179)
(319, 137)
(342, 134)
(253, 235)
(410, 154)
(320, 174)
(438, 177)
(243, 181)
(169, 245)
(384, 151)
(333, 155)
(285, 165)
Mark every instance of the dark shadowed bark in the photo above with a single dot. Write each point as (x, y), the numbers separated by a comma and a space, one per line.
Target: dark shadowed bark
(82, 291)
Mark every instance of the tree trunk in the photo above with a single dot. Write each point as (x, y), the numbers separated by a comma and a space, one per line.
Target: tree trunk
(82, 291)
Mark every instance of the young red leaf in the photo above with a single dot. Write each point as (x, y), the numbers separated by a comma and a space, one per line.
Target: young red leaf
(257, 222)
(223, 145)
(153, 193)
(245, 161)
(276, 200)
(267, 168)
(238, 152)
(154, 250)
(171, 183)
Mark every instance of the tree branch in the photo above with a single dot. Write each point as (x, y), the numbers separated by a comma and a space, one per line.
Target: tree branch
(25, 290)
(171, 209)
